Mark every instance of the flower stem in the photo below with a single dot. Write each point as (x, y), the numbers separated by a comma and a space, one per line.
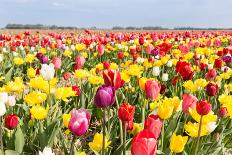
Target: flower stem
(143, 114)
(199, 135)
(104, 132)
(72, 144)
(162, 138)
(1, 142)
(124, 138)
(120, 123)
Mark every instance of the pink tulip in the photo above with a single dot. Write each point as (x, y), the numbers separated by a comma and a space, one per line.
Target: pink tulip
(57, 62)
(79, 122)
(148, 49)
(189, 101)
(100, 49)
(80, 61)
(152, 89)
(153, 124)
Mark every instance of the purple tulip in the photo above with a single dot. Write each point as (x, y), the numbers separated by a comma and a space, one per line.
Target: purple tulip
(79, 122)
(155, 52)
(44, 59)
(227, 60)
(105, 96)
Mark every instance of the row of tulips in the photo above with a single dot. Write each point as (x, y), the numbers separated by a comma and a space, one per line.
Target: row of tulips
(139, 93)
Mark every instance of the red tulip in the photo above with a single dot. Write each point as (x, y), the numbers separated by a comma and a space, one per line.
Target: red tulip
(211, 74)
(222, 112)
(126, 112)
(66, 75)
(120, 55)
(185, 70)
(203, 107)
(141, 40)
(189, 101)
(153, 124)
(144, 143)
(218, 63)
(106, 64)
(112, 78)
(152, 89)
(211, 89)
(77, 90)
(11, 121)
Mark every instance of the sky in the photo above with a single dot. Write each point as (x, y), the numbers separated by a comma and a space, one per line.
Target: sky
(109, 13)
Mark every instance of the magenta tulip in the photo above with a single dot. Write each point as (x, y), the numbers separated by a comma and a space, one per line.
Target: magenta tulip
(79, 122)
(105, 96)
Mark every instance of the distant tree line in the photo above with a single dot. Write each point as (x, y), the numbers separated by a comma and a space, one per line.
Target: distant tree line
(36, 26)
(40, 26)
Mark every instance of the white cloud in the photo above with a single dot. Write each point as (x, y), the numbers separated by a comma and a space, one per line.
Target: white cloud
(57, 4)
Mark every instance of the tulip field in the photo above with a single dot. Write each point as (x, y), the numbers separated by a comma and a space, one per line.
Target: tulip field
(115, 93)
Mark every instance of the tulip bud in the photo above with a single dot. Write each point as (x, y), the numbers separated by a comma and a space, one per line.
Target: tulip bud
(80, 61)
(77, 90)
(211, 89)
(153, 124)
(11, 121)
(222, 112)
(189, 101)
(106, 64)
(156, 71)
(2, 108)
(152, 89)
(169, 64)
(142, 82)
(126, 112)
(79, 122)
(203, 107)
(57, 62)
(165, 77)
(66, 75)
(11, 101)
(112, 78)
(105, 96)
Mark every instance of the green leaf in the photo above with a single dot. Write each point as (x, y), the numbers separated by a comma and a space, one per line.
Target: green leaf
(159, 152)
(11, 152)
(53, 135)
(120, 148)
(19, 140)
(9, 74)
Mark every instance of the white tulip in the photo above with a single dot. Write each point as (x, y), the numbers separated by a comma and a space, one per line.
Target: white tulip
(2, 108)
(1, 57)
(157, 57)
(210, 66)
(4, 50)
(169, 64)
(3, 97)
(73, 47)
(21, 47)
(198, 56)
(11, 101)
(15, 54)
(211, 126)
(32, 49)
(165, 77)
(46, 151)
(156, 71)
(47, 71)
(140, 60)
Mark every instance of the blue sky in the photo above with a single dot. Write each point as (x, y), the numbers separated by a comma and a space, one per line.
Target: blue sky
(108, 13)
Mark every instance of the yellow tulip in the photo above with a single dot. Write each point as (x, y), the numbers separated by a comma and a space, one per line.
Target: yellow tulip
(165, 110)
(97, 143)
(66, 119)
(39, 112)
(142, 82)
(177, 143)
